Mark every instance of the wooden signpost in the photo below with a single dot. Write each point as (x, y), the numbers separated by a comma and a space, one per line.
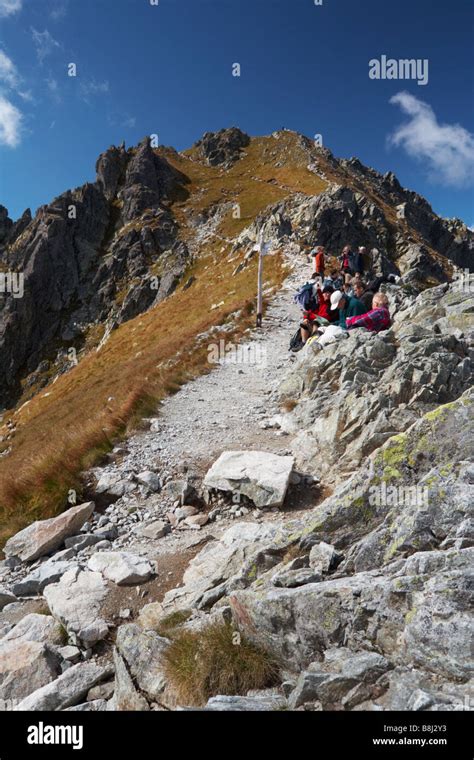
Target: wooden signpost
(262, 248)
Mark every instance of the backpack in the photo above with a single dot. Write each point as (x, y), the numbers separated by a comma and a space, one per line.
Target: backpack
(305, 297)
(296, 343)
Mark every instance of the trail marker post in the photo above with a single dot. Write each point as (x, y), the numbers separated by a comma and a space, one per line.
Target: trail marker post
(262, 250)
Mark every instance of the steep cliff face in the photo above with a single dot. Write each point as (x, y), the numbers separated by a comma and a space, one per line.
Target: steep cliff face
(103, 253)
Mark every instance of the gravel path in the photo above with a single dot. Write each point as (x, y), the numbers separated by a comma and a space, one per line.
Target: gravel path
(227, 408)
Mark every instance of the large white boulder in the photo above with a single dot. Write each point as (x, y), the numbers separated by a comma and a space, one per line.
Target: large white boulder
(260, 476)
(44, 536)
(24, 667)
(122, 568)
(69, 689)
(77, 602)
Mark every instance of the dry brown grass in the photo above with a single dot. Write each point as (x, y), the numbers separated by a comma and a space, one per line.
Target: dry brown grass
(216, 660)
(168, 625)
(289, 404)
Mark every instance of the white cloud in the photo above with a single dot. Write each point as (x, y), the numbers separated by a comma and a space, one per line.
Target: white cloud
(53, 88)
(8, 72)
(90, 88)
(59, 10)
(447, 150)
(9, 7)
(121, 119)
(44, 43)
(26, 95)
(10, 124)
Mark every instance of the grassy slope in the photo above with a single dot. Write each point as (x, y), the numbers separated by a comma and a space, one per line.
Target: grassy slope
(70, 424)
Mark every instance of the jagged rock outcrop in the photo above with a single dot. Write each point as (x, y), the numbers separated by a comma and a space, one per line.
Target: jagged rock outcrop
(9, 230)
(79, 253)
(344, 213)
(222, 148)
(149, 180)
(5, 224)
(110, 167)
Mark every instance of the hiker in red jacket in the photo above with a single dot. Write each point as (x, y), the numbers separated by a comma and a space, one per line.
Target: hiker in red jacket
(319, 262)
(309, 324)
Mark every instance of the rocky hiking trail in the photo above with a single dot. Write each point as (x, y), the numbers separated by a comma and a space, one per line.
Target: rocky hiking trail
(349, 594)
(233, 407)
(228, 406)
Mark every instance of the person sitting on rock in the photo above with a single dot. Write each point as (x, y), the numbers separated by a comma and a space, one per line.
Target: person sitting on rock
(348, 306)
(310, 324)
(334, 280)
(347, 288)
(362, 293)
(358, 260)
(377, 319)
(324, 304)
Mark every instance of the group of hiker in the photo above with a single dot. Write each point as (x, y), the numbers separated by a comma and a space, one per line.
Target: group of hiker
(341, 301)
(352, 262)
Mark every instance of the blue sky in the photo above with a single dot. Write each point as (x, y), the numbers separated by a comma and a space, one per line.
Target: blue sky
(167, 70)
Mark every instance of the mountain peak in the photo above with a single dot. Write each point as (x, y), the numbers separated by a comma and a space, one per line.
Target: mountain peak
(222, 148)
